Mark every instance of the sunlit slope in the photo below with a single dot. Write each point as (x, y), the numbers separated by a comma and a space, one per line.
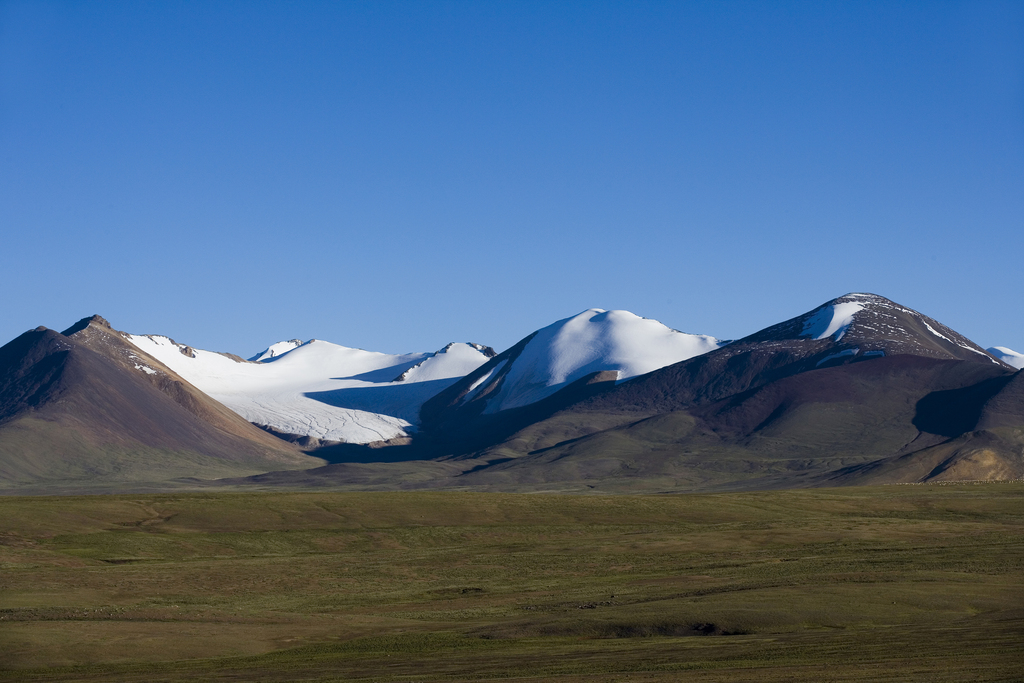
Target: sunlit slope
(318, 389)
(85, 406)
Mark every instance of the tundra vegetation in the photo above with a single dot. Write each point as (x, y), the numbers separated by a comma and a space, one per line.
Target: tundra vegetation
(890, 583)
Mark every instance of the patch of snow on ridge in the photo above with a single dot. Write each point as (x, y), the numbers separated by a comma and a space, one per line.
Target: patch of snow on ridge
(951, 341)
(1008, 356)
(831, 320)
(938, 334)
(477, 386)
(593, 341)
(319, 389)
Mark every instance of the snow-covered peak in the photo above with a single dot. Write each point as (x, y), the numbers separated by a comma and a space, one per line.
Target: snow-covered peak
(314, 360)
(276, 350)
(455, 360)
(319, 358)
(595, 340)
(876, 326)
(1008, 356)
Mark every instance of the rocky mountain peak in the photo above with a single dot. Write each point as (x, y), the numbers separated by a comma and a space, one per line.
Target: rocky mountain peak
(94, 320)
(864, 325)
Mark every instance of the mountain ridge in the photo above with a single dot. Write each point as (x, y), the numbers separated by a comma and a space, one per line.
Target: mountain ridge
(857, 390)
(712, 401)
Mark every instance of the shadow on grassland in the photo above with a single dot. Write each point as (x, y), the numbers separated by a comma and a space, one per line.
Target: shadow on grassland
(361, 453)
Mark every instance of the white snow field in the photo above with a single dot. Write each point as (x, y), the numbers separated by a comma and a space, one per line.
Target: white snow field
(593, 341)
(319, 389)
(1008, 356)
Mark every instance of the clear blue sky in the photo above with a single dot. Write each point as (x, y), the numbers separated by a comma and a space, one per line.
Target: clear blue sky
(395, 176)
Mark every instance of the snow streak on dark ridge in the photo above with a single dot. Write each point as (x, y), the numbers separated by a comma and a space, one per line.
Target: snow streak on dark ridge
(871, 325)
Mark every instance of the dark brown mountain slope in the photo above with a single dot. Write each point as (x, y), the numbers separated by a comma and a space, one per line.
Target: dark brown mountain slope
(851, 329)
(985, 422)
(817, 398)
(883, 421)
(85, 406)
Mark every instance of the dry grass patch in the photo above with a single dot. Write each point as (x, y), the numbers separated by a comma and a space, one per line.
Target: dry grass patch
(889, 583)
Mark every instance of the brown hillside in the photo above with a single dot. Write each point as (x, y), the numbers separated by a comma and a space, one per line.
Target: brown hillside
(86, 406)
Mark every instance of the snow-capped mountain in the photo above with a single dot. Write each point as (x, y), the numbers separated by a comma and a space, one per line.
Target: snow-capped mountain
(275, 350)
(555, 356)
(593, 341)
(1008, 356)
(849, 329)
(858, 389)
(319, 389)
(859, 325)
(454, 360)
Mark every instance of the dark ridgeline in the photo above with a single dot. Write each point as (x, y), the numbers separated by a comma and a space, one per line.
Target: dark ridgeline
(859, 390)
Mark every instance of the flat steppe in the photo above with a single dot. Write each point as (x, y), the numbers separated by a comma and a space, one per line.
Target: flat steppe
(894, 583)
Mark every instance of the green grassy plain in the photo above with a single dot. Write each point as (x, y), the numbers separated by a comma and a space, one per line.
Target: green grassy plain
(889, 583)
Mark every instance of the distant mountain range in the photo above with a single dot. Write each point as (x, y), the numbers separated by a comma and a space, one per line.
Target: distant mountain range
(858, 390)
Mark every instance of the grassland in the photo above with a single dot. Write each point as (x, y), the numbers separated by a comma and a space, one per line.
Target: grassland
(891, 583)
